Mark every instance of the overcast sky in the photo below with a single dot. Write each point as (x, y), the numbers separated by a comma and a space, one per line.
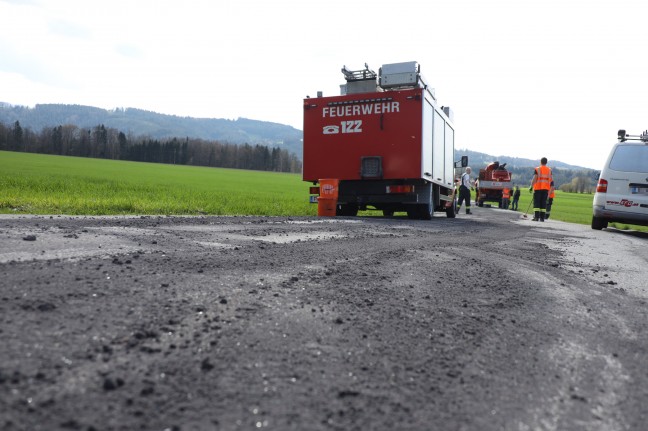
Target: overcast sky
(525, 78)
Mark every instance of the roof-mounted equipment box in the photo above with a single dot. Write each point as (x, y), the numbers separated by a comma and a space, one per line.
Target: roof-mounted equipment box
(400, 74)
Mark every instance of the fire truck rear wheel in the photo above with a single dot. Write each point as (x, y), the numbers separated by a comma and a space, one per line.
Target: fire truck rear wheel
(451, 211)
(349, 210)
(425, 211)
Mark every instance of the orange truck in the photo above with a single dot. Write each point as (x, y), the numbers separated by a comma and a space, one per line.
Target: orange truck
(492, 181)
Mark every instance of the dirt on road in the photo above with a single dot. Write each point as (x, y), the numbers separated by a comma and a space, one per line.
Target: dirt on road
(483, 322)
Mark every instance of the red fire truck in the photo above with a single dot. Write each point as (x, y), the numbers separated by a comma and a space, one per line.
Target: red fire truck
(385, 142)
(491, 183)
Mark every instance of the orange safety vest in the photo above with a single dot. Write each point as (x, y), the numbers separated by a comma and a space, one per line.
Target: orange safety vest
(552, 192)
(544, 178)
(506, 194)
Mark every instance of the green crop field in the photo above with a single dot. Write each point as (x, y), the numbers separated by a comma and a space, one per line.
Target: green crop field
(44, 184)
(570, 207)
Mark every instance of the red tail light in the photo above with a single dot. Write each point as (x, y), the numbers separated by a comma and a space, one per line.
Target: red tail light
(400, 189)
(601, 187)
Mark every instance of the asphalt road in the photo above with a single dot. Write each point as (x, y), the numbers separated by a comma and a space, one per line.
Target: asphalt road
(483, 322)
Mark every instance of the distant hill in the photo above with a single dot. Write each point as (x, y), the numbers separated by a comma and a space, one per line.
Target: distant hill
(159, 126)
(479, 160)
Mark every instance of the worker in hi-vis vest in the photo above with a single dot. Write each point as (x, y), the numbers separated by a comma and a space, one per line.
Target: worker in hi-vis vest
(540, 185)
(552, 193)
(506, 198)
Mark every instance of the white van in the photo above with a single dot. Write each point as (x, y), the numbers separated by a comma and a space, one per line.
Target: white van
(622, 189)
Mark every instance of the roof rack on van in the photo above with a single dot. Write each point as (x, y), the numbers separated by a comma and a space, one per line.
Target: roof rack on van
(623, 136)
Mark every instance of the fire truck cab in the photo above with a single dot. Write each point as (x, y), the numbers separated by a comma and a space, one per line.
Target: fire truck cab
(385, 141)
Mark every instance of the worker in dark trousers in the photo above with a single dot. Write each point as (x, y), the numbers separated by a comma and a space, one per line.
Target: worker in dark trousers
(540, 185)
(552, 193)
(516, 198)
(464, 190)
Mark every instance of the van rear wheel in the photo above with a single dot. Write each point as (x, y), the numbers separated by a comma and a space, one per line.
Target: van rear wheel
(599, 223)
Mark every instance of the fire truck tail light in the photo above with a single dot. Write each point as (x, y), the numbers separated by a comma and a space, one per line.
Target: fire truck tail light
(601, 187)
(314, 190)
(400, 189)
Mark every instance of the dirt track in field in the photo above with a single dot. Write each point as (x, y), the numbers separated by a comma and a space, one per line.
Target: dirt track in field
(484, 322)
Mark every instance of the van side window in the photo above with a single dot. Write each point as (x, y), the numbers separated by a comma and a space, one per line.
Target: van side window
(630, 158)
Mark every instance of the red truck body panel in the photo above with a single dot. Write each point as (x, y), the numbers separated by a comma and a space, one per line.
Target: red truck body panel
(340, 130)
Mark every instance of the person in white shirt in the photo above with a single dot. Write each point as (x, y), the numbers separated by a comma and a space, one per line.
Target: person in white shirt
(464, 190)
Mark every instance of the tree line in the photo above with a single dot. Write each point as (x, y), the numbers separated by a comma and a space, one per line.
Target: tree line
(109, 143)
(567, 180)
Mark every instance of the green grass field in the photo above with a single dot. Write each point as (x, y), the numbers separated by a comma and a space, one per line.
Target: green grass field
(44, 184)
(570, 207)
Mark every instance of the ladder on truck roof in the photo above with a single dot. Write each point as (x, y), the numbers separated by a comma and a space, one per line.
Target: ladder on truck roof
(359, 75)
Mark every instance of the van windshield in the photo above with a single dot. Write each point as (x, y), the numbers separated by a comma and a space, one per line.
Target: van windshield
(630, 158)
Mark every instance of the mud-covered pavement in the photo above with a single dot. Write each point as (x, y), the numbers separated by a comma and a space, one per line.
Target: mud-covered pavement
(484, 322)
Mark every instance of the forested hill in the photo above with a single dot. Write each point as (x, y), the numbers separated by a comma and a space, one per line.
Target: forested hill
(157, 126)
